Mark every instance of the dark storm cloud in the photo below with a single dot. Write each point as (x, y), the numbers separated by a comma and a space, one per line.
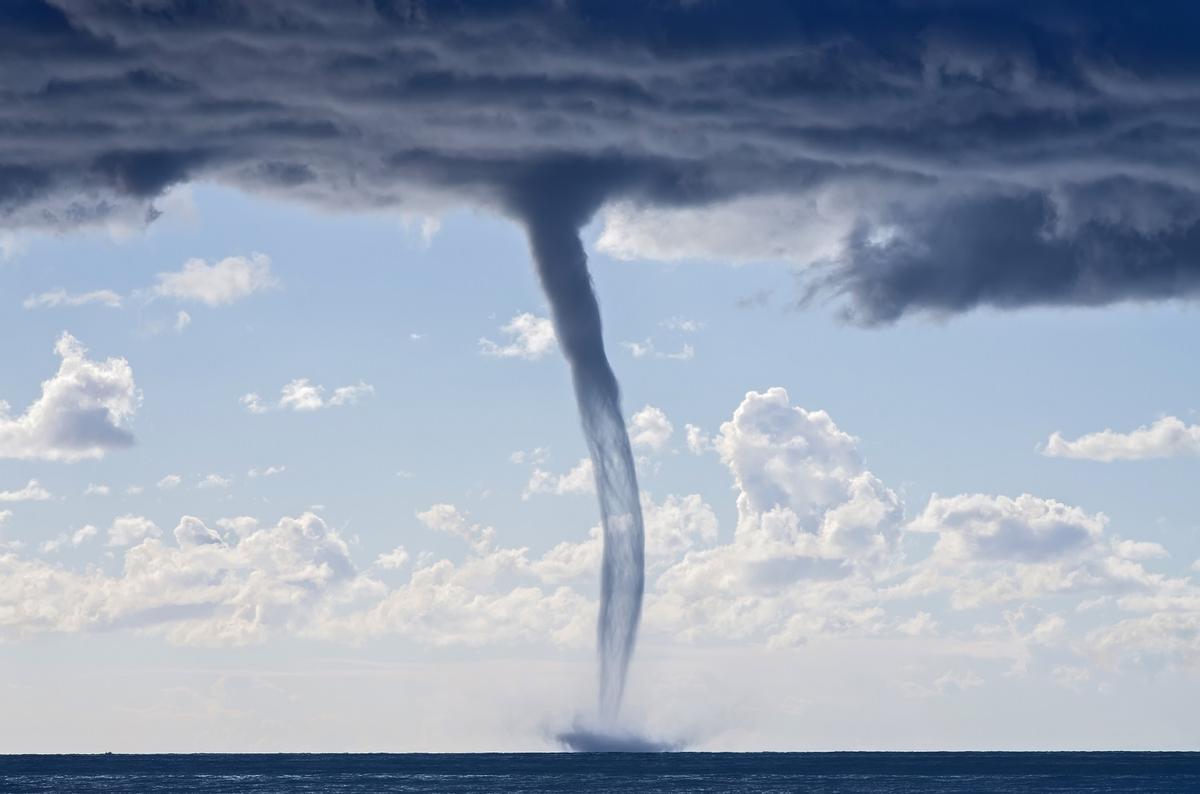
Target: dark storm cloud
(1002, 153)
(996, 250)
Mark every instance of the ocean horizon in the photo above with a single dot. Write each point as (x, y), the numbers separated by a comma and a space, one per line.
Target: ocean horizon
(848, 771)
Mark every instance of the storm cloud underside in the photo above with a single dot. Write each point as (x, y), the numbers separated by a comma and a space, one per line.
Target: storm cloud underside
(1000, 154)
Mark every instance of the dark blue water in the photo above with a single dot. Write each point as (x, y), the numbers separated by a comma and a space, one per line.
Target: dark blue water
(668, 772)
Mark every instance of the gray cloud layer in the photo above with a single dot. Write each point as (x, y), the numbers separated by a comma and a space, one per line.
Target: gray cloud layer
(1004, 154)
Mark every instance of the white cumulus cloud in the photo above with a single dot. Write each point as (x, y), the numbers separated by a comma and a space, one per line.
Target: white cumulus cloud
(650, 429)
(820, 550)
(220, 283)
(31, 492)
(393, 560)
(130, 529)
(1027, 528)
(579, 480)
(214, 481)
(531, 338)
(83, 411)
(449, 519)
(303, 395)
(698, 442)
(76, 538)
(201, 590)
(169, 482)
(1168, 437)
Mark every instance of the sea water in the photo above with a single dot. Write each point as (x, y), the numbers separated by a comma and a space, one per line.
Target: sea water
(929, 773)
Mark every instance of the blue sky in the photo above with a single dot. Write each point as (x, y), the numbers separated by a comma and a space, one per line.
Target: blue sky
(395, 306)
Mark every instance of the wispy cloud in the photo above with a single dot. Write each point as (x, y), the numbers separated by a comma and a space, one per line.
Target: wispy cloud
(56, 298)
(221, 283)
(647, 349)
(682, 325)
